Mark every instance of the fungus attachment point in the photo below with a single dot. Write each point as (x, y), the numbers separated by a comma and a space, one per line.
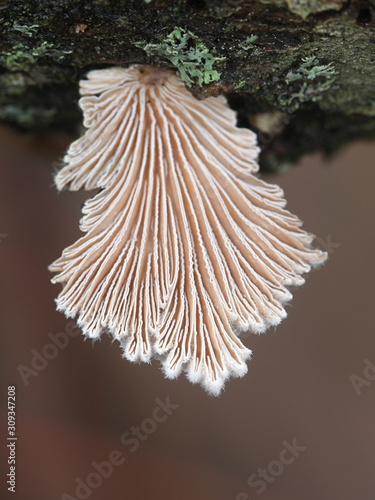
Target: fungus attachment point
(185, 247)
(149, 75)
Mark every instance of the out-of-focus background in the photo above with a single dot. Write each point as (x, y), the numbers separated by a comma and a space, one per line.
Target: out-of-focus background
(298, 426)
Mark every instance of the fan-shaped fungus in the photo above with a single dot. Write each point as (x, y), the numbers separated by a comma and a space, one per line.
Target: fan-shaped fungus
(185, 247)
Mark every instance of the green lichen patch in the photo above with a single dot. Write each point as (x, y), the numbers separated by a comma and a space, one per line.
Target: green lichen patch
(25, 29)
(310, 69)
(248, 43)
(190, 56)
(21, 57)
(307, 83)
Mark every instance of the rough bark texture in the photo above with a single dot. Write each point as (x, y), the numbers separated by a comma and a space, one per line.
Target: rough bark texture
(300, 72)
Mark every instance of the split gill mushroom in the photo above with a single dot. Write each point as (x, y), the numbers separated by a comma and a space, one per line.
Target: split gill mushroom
(185, 247)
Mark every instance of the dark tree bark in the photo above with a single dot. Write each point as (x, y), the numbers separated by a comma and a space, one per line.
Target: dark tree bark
(300, 72)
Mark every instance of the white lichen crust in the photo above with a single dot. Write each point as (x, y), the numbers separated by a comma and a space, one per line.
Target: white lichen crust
(185, 247)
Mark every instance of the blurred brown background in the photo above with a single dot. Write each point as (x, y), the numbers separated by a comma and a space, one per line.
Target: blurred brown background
(74, 410)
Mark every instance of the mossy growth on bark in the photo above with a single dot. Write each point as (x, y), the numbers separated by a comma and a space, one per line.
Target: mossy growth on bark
(300, 72)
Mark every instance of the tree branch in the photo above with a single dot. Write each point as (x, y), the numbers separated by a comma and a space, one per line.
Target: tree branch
(300, 72)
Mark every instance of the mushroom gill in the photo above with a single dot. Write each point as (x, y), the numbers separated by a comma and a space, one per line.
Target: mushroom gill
(185, 248)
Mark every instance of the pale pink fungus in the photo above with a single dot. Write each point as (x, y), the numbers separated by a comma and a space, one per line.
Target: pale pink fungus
(185, 247)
